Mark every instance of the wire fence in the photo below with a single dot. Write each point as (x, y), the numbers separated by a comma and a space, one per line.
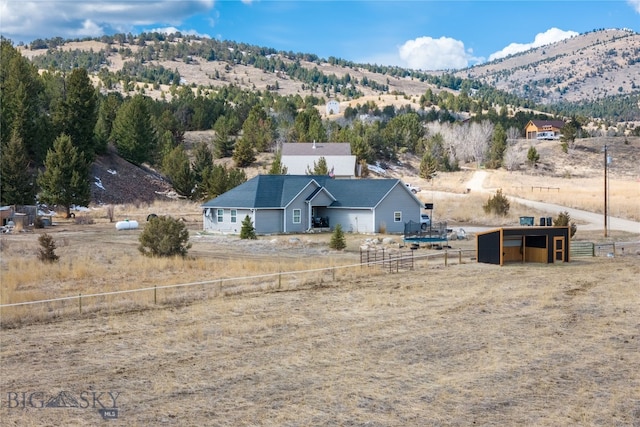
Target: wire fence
(372, 262)
(391, 261)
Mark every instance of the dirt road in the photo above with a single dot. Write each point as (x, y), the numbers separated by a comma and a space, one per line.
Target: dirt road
(593, 221)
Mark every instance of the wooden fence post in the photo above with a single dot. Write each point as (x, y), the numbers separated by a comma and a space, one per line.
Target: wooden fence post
(155, 294)
(80, 302)
(446, 258)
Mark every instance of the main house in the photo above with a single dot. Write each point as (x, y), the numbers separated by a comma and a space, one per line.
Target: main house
(300, 203)
(300, 157)
(543, 129)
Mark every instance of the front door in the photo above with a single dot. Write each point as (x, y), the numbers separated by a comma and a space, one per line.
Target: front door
(558, 249)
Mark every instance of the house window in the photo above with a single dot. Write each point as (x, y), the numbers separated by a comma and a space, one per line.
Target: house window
(397, 216)
(297, 214)
(220, 215)
(234, 215)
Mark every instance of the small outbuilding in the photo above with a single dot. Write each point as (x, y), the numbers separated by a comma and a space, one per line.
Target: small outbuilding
(523, 244)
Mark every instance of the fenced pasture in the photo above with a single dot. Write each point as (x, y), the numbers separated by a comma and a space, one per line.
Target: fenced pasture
(516, 345)
(282, 331)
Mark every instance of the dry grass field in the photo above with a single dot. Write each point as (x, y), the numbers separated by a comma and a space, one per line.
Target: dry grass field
(283, 331)
(461, 344)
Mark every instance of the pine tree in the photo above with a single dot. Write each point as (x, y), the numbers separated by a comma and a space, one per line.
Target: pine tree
(243, 153)
(217, 180)
(18, 183)
(428, 166)
(338, 241)
(177, 167)
(564, 219)
(80, 112)
(257, 129)
(47, 251)
(277, 168)
(532, 155)
(65, 180)
(133, 132)
(319, 168)
(202, 159)
(247, 231)
(107, 112)
(223, 144)
(497, 147)
(22, 103)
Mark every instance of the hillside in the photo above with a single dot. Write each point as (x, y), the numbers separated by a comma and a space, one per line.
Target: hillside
(587, 67)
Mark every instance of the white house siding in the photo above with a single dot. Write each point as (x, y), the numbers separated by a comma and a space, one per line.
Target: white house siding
(343, 166)
(399, 199)
(211, 223)
(333, 107)
(352, 220)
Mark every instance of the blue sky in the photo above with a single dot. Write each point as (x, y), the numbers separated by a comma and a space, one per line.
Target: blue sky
(420, 34)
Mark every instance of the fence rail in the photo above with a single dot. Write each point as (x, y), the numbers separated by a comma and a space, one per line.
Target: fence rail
(581, 249)
(147, 297)
(584, 249)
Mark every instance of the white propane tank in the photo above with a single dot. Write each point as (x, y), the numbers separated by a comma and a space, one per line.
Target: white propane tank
(126, 225)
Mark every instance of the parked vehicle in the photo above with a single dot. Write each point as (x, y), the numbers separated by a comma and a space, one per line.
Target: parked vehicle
(546, 136)
(412, 188)
(425, 221)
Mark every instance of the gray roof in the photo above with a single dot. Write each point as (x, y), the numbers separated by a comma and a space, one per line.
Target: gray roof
(277, 191)
(321, 149)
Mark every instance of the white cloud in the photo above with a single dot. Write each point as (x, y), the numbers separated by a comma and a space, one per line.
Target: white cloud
(28, 20)
(426, 53)
(634, 4)
(552, 35)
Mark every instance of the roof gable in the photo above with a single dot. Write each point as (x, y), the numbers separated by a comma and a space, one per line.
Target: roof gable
(540, 124)
(262, 191)
(277, 191)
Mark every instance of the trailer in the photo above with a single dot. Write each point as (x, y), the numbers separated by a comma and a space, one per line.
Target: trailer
(434, 233)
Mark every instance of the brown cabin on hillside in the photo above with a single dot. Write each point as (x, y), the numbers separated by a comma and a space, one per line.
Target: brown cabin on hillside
(536, 127)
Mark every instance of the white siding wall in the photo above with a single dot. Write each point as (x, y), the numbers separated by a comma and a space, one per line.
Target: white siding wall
(210, 220)
(352, 221)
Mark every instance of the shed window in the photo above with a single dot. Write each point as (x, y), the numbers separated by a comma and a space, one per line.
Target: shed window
(397, 216)
(220, 215)
(234, 215)
(297, 214)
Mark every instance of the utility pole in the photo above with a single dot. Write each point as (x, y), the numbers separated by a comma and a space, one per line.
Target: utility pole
(605, 190)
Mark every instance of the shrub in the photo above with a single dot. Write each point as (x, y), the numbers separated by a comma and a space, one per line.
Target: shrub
(47, 251)
(498, 204)
(564, 219)
(338, 241)
(533, 156)
(164, 236)
(247, 231)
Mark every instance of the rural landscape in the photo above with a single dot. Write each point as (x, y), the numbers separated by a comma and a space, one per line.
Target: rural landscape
(284, 329)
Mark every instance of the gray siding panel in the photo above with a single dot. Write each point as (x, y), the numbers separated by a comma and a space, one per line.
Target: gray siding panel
(268, 221)
(397, 200)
